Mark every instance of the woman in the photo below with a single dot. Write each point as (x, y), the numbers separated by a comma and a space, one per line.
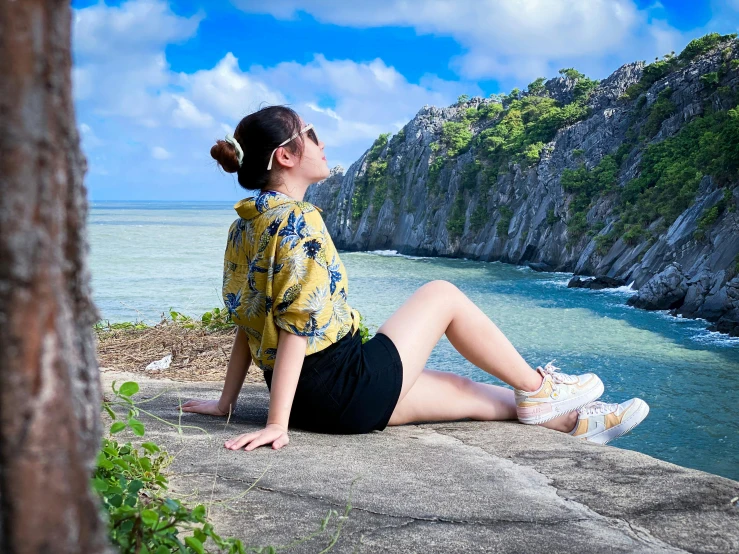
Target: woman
(286, 289)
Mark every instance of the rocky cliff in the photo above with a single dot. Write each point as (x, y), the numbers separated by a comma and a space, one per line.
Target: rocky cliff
(632, 178)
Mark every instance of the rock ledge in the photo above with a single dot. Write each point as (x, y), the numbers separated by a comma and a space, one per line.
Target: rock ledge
(438, 487)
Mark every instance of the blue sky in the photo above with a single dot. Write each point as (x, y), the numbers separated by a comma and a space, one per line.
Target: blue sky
(156, 82)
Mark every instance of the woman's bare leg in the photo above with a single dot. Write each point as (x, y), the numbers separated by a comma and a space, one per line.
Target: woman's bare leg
(444, 396)
(439, 308)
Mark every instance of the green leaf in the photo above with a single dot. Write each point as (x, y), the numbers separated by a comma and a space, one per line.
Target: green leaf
(116, 500)
(99, 485)
(135, 486)
(136, 426)
(117, 427)
(105, 464)
(129, 388)
(162, 550)
(207, 316)
(126, 527)
(131, 501)
(149, 517)
(150, 447)
(121, 463)
(195, 544)
(199, 512)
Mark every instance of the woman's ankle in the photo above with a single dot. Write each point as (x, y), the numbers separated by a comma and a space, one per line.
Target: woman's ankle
(533, 382)
(565, 423)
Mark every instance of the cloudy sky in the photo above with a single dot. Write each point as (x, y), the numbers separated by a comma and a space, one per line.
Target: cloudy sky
(156, 82)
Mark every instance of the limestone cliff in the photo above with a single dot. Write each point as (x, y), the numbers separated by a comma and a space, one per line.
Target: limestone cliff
(634, 178)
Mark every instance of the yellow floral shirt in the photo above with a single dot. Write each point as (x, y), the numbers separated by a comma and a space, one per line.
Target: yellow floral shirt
(281, 269)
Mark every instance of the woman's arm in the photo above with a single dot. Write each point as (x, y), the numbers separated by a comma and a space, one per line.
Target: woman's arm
(238, 365)
(288, 364)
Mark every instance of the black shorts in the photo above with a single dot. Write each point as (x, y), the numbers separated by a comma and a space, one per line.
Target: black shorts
(348, 387)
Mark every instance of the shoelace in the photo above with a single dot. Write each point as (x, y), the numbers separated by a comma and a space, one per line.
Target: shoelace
(597, 408)
(551, 369)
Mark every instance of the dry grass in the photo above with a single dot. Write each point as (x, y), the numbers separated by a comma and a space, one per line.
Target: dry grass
(198, 354)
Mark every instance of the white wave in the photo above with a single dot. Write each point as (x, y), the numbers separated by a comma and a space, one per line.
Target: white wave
(562, 283)
(714, 338)
(395, 254)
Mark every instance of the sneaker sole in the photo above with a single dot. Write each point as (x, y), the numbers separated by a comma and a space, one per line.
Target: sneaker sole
(622, 428)
(556, 409)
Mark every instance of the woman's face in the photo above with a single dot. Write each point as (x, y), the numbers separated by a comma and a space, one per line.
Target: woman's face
(313, 165)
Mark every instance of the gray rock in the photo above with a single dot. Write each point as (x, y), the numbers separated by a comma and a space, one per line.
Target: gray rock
(436, 487)
(540, 266)
(537, 231)
(664, 291)
(596, 283)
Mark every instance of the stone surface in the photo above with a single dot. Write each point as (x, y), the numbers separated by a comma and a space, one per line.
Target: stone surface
(436, 487)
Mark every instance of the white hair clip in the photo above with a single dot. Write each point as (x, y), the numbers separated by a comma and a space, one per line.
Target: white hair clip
(239, 152)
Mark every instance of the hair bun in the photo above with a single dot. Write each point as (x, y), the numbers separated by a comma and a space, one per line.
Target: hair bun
(226, 156)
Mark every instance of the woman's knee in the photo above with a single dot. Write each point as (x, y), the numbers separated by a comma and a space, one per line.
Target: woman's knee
(441, 287)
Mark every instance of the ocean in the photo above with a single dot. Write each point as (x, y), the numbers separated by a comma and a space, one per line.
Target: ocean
(149, 257)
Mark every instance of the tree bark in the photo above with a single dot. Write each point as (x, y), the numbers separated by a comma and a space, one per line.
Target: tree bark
(49, 382)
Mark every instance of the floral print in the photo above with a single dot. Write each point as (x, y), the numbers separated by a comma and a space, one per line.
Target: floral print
(277, 274)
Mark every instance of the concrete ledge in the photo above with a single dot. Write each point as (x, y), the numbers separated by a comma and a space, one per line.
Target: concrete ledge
(438, 487)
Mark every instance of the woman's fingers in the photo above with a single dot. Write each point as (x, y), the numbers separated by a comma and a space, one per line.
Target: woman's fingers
(193, 402)
(280, 442)
(250, 441)
(241, 440)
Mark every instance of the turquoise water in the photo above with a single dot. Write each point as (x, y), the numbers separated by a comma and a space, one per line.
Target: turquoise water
(148, 256)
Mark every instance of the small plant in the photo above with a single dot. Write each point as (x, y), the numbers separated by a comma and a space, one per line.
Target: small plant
(141, 518)
(131, 485)
(105, 325)
(217, 319)
(710, 79)
(506, 214)
(478, 217)
(363, 330)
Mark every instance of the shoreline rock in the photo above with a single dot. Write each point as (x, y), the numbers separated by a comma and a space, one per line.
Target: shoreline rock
(436, 487)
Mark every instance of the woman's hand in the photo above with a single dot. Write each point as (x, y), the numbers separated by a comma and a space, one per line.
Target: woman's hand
(272, 434)
(207, 407)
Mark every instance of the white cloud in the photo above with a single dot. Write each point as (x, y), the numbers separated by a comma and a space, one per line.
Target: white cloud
(186, 114)
(125, 88)
(228, 91)
(159, 153)
(103, 31)
(519, 39)
(369, 98)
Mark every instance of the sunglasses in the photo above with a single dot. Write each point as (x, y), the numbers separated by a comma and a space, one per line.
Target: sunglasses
(310, 133)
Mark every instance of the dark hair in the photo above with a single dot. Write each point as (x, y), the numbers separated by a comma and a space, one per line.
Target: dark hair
(258, 134)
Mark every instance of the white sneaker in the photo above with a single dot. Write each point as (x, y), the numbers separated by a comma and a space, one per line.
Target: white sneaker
(600, 422)
(558, 394)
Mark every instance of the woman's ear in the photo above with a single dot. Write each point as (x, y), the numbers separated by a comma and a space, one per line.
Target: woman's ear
(285, 158)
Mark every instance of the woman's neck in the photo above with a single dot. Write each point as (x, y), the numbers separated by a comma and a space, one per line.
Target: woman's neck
(295, 192)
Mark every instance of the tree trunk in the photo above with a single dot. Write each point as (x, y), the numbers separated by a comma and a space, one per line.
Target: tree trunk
(49, 381)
